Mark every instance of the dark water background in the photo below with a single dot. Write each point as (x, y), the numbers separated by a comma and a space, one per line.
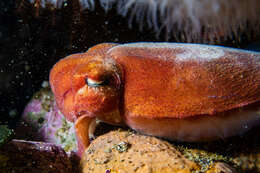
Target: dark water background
(31, 43)
(32, 40)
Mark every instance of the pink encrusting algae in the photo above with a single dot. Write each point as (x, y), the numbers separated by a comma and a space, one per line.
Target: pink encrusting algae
(42, 121)
(191, 20)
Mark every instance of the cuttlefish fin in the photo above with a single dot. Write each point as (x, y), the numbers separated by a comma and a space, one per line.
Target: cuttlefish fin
(83, 125)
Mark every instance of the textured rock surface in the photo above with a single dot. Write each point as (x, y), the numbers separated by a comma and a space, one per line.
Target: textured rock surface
(27, 156)
(220, 167)
(126, 152)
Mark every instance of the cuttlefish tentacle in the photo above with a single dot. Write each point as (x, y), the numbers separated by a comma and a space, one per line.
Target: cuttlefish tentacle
(185, 92)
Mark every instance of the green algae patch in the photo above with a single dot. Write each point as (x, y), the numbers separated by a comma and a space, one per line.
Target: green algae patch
(5, 134)
(204, 159)
(65, 136)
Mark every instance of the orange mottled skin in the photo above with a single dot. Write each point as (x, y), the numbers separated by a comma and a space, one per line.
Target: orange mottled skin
(178, 91)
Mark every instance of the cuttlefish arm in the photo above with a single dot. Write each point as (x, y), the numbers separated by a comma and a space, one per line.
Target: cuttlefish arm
(83, 129)
(67, 81)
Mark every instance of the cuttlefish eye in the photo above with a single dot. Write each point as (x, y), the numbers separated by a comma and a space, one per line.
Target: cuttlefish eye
(97, 83)
(96, 74)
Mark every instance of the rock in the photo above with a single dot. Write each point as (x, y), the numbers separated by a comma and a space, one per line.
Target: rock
(220, 167)
(126, 152)
(248, 162)
(28, 156)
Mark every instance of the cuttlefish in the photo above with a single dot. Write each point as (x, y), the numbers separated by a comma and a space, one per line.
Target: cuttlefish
(184, 92)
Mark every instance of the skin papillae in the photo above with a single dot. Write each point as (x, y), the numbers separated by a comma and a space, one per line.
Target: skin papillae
(185, 92)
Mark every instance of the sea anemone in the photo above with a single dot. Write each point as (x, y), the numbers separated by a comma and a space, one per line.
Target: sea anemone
(189, 20)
